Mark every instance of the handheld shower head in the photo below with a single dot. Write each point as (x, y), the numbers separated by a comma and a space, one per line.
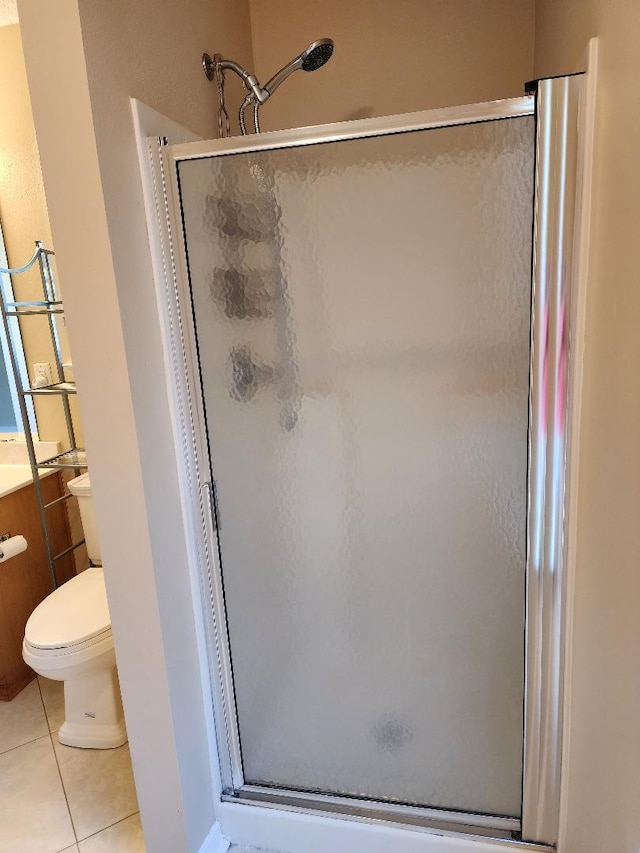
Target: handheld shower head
(314, 57)
(316, 54)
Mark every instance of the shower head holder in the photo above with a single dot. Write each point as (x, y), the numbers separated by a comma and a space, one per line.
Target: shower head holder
(313, 57)
(254, 88)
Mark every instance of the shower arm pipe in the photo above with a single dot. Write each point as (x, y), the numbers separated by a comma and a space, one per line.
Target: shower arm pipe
(257, 93)
(267, 91)
(250, 80)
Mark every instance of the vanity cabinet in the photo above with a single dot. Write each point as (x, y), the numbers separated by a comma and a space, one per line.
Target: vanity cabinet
(25, 579)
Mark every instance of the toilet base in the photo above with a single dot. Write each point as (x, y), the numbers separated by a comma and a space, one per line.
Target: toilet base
(93, 711)
(93, 737)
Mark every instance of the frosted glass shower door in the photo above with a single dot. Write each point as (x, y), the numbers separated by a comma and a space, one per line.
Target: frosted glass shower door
(362, 317)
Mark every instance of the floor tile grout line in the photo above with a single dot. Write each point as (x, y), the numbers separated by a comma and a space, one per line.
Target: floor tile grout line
(110, 826)
(64, 790)
(44, 711)
(26, 743)
(44, 705)
(50, 734)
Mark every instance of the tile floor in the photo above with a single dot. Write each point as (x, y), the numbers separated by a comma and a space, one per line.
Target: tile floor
(57, 798)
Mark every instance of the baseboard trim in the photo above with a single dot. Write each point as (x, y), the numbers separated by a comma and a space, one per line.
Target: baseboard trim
(215, 842)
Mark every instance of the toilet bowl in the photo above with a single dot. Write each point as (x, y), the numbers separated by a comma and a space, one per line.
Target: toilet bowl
(68, 638)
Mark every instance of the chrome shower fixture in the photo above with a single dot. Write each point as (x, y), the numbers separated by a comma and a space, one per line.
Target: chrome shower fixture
(314, 57)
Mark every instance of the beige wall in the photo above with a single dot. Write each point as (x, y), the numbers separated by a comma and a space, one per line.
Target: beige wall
(23, 209)
(97, 56)
(22, 203)
(604, 768)
(391, 57)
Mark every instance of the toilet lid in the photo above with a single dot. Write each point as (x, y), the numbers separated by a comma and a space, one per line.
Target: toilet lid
(76, 612)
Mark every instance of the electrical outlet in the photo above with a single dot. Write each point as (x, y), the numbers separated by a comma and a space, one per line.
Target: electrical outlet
(42, 375)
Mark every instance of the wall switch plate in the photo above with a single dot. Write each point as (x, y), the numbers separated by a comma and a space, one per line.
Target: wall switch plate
(42, 375)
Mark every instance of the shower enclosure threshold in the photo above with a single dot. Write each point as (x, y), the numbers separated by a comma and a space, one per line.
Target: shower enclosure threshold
(424, 817)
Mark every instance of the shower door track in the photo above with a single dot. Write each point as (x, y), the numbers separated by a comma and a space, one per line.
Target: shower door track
(558, 162)
(402, 813)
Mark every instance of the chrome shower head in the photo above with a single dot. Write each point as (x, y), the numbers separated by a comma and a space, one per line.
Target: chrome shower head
(317, 54)
(314, 57)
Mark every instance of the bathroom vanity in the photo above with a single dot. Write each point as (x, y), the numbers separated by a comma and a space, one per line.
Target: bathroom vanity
(25, 579)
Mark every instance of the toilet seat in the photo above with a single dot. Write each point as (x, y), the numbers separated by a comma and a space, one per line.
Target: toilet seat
(53, 663)
(73, 619)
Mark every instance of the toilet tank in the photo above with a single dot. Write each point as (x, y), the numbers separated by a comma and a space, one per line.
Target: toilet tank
(81, 488)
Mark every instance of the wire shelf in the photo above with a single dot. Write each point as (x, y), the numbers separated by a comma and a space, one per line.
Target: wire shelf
(28, 312)
(74, 458)
(56, 388)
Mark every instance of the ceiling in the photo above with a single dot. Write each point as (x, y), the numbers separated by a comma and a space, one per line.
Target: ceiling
(8, 13)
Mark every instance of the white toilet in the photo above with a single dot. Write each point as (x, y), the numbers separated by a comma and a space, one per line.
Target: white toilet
(68, 638)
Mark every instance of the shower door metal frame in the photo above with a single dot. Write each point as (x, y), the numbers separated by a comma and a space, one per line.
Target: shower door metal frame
(555, 108)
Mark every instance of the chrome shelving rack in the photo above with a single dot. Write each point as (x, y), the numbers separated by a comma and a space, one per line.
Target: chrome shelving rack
(73, 458)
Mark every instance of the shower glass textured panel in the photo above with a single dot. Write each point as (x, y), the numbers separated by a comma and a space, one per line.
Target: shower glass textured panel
(362, 314)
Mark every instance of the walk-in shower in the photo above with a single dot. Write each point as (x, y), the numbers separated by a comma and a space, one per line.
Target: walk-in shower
(313, 57)
(374, 382)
